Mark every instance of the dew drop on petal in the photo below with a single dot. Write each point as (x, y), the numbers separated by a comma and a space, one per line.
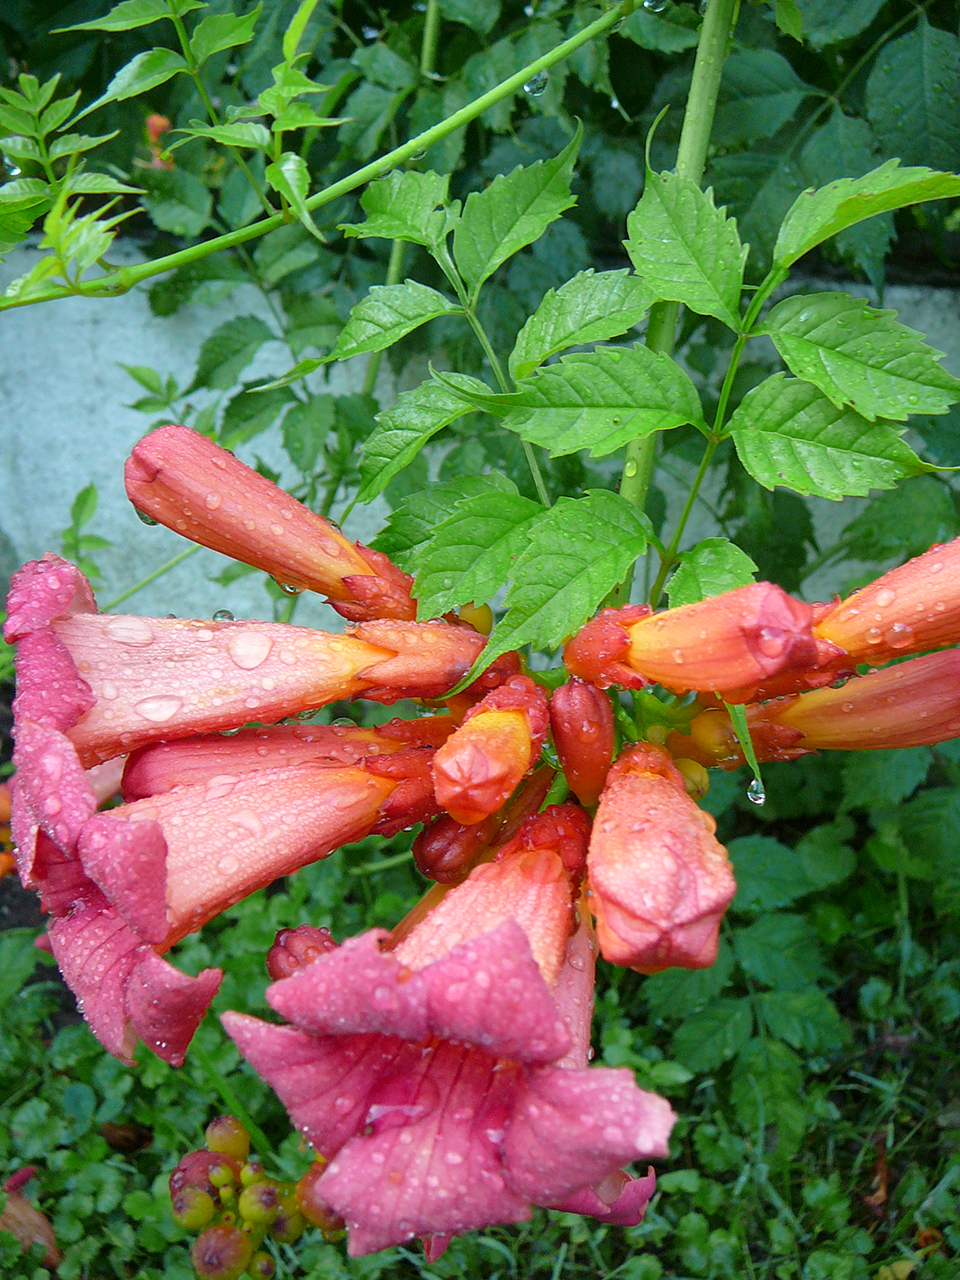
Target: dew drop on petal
(885, 597)
(249, 649)
(223, 615)
(899, 636)
(212, 501)
(248, 821)
(130, 630)
(228, 864)
(158, 709)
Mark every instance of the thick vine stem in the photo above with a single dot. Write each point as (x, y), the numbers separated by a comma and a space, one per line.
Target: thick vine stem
(124, 278)
(715, 35)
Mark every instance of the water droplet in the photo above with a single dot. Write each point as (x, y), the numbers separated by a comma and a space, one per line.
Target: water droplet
(249, 649)
(655, 6)
(756, 792)
(248, 821)
(885, 597)
(130, 630)
(228, 864)
(537, 84)
(212, 501)
(630, 469)
(899, 635)
(158, 709)
(771, 642)
(370, 33)
(144, 518)
(108, 690)
(223, 615)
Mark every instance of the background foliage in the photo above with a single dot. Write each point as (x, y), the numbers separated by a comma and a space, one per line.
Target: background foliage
(813, 1066)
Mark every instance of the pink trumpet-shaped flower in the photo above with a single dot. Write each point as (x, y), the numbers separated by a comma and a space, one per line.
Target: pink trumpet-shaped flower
(728, 643)
(430, 1076)
(114, 684)
(660, 881)
(183, 480)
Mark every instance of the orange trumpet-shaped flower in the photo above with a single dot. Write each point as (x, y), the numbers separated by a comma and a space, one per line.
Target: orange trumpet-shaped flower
(912, 704)
(479, 765)
(581, 719)
(660, 881)
(729, 642)
(912, 608)
(183, 480)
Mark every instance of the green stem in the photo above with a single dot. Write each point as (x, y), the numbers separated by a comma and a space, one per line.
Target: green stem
(124, 279)
(262, 1144)
(151, 577)
(394, 272)
(669, 559)
(431, 34)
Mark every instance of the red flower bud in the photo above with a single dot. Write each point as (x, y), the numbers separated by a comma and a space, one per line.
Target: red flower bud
(221, 1253)
(660, 881)
(478, 767)
(294, 948)
(581, 719)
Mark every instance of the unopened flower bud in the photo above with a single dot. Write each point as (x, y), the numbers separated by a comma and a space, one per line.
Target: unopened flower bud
(227, 1135)
(262, 1266)
(695, 777)
(479, 616)
(446, 849)
(289, 1224)
(294, 948)
(193, 1208)
(316, 1211)
(253, 1171)
(223, 1172)
(221, 1253)
(581, 718)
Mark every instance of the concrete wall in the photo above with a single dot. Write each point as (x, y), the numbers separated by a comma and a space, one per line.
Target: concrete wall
(65, 421)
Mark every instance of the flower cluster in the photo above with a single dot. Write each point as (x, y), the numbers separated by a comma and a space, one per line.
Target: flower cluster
(440, 1070)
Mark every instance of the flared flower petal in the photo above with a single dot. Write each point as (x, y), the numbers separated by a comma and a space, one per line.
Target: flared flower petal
(911, 608)
(411, 1083)
(478, 767)
(183, 480)
(659, 879)
(728, 643)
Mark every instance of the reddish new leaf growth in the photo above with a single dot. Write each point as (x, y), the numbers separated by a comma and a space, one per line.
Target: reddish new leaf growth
(581, 719)
(660, 881)
(478, 767)
(294, 948)
(183, 480)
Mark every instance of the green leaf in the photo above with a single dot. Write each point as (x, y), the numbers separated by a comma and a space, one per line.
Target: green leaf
(228, 350)
(806, 1019)
(759, 187)
(826, 22)
(845, 147)
(780, 950)
(241, 133)
(71, 144)
(707, 1039)
(876, 779)
(577, 552)
(404, 206)
(249, 413)
(904, 522)
(817, 215)
(416, 517)
(471, 555)
(147, 377)
(767, 1091)
(768, 874)
(220, 31)
(290, 176)
(824, 854)
(98, 184)
(145, 71)
(759, 93)
(513, 211)
(300, 115)
(711, 567)
(284, 251)
(597, 400)
(405, 428)
(481, 15)
(18, 147)
(295, 29)
(306, 427)
(787, 433)
(677, 993)
(669, 29)
(18, 959)
(131, 14)
(379, 63)
(177, 200)
(789, 18)
(84, 506)
(588, 308)
(860, 357)
(388, 313)
(911, 100)
(686, 249)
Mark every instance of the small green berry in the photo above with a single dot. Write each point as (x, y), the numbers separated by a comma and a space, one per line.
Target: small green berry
(252, 1171)
(221, 1253)
(228, 1135)
(262, 1266)
(221, 1173)
(193, 1208)
(259, 1203)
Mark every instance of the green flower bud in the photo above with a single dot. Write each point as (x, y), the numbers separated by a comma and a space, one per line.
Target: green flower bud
(221, 1253)
(193, 1208)
(228, 1135)
(259, 1203)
